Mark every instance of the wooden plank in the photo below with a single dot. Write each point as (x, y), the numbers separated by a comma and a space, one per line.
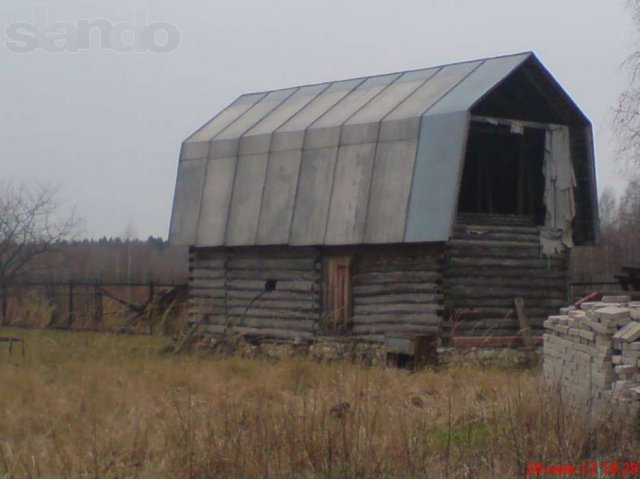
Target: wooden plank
(505, 263)
(397, 308)
(270, 313)
(469, 272)
(275, 295)
(395, 329)
(303, 286)
(287, 305)
(285, 264)
(396, 277)
(284, 275)
(531, 281)
(459, 291)
(217, 263)
(396, 288)
(412, 318)
(418, 298)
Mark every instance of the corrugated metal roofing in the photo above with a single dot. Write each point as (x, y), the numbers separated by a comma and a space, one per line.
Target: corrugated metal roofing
(369, 160)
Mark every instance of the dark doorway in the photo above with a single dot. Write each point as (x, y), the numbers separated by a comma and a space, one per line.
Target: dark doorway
(503, 171)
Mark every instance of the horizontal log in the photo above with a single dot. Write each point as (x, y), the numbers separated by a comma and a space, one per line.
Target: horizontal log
(397, 308)
(382, 289)
(550, 303)
(504, 263)
(207, 283)
(415, 265)
(299, 264)
(270, 313)
(530, 281)
(510, 272)
(268, 332)
(209, 264)
(497, 253)
(419, 298)
(496, 236)
(274, 295)
(275, 323)
(396, 329)
(288, 305)
(213, 283)
(206, 293)
(494, 244)
(457, 291)
(284, 275)
(203, 274)
(500, 312)
(416, 319)
(396, 277)
(305, 286)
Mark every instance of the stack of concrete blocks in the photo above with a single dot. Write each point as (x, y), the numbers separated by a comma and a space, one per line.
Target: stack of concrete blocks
(592, 356)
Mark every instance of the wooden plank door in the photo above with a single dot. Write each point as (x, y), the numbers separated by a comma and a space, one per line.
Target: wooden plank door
(336, 290)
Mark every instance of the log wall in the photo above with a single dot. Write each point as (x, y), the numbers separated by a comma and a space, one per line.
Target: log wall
(396, 290)
(489, 262)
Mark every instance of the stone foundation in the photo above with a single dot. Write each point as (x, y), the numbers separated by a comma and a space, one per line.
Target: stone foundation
(592, 356)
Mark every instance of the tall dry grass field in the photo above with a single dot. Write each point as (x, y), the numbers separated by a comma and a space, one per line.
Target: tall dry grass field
(100, 405)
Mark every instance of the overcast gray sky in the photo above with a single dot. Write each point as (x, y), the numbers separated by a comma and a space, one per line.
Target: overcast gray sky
(106, 126)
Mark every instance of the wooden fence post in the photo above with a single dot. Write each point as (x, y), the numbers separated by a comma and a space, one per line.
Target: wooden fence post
(71, 306)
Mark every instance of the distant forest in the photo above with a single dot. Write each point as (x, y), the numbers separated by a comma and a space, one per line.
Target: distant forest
(111, 260)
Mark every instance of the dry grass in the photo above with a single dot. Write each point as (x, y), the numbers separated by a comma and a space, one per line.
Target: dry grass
(99, 405)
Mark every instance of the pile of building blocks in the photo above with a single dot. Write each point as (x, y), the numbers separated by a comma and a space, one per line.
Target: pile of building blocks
(592, 355)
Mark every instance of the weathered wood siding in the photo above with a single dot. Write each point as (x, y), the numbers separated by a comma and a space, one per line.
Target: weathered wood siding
(489, 262)
(395, 290)
(398, 291)
(228, 287)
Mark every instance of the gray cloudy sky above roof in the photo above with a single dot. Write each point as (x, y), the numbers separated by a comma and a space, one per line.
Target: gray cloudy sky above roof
(106, 122)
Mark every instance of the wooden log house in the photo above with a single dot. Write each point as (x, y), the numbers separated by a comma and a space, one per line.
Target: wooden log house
(413, 204)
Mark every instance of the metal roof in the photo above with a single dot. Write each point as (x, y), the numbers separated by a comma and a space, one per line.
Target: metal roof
(367, 160)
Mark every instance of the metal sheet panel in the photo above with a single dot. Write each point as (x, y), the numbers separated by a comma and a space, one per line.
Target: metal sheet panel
(216, 199)
(363, 125)
(225, 117)
(432, 90)
(256, 113)
(258, 138)
(246, 199)
(390, 187)
(291, 134)
(186, 202)
(351, 103)
(350, 196)
(477, 84)
(278, 198)
(313, 196)
(436, 177)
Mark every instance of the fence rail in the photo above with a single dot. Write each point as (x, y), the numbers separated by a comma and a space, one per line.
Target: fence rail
(94, 305)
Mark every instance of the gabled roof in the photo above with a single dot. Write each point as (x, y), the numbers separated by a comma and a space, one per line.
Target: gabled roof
(365, 160)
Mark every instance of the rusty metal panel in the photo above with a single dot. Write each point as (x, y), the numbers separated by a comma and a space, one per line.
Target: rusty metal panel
(216, 199)
(279, 194)
(246, 198)
(390, 187)
(436, 177)
(186, 202)
(313, 196)
(350, 194)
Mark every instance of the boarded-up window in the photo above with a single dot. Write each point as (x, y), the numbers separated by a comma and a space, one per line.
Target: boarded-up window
(336, 293)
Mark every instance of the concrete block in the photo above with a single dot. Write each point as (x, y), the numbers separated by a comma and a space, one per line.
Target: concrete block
(613, 313)
(631, 332)
(616, 299)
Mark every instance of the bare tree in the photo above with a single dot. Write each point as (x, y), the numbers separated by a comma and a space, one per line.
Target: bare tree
(31, 224)
(626, 119)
